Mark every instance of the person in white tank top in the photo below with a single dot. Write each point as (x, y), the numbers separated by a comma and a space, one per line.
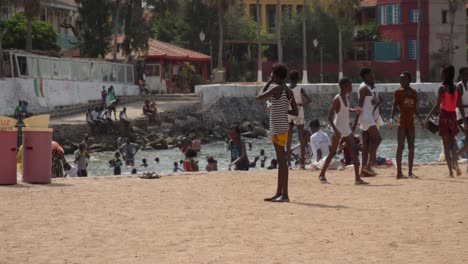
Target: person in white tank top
(371, 139)
(463, 93)
(338, 117)
(299, 119)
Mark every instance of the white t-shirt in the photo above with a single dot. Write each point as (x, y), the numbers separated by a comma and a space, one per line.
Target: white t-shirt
(320, 140)
(94, 115)
(73, 172)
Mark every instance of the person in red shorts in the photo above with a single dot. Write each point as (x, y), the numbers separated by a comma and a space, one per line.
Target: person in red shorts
(448, 100)
(405, 99)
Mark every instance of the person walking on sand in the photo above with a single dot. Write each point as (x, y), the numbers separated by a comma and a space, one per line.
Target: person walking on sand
(282, 99)
(297, 120)
(405, 99)
(370, 134)
(463, 93)
(340, 109)
(448, 100)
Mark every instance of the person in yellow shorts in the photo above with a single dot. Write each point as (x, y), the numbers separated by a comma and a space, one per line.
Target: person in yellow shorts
(282, 99)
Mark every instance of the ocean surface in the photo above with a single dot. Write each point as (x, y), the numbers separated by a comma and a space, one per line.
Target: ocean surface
(427, 150)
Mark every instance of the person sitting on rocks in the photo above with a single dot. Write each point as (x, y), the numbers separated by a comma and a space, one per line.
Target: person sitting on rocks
(149, 111)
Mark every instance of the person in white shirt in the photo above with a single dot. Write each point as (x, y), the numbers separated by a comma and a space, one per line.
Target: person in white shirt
(319, 141)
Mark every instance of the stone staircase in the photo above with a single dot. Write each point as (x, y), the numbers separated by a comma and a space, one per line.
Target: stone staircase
(64, 110)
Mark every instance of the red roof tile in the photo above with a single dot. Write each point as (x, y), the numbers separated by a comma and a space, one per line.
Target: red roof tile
(368, 3)
(162, 50)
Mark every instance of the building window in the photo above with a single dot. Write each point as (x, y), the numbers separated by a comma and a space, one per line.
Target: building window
(444, 17)
(286, 9)
(415, 16)
(271, 15)
(412, 49)
(253, 13)
(389, 14)
(299, 9)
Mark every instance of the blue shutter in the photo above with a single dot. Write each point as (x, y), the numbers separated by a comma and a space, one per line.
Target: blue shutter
(410, 49)
(379, 15)
(389, 15)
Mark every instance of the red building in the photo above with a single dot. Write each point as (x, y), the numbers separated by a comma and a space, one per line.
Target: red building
(397, 23)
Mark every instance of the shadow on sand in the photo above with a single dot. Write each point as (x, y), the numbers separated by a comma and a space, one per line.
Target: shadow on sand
(339, 206)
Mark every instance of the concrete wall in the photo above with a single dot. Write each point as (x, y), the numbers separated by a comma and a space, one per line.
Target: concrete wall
(55, 93)
(209, 94)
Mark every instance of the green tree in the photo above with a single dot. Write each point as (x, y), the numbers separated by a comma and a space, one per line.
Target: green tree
(342, 11)
(137, 29)
(32, 9)
(44, 36)
(453, 7)
(95, 27)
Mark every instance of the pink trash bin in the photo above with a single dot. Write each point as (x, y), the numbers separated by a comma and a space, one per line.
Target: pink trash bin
(37, 155)
(8, 141)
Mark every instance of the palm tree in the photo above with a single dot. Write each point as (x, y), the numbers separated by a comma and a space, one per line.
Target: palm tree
(418, 45)
(304, 43)
(278, 31)
(259, 45)
(31, 9)
(118, 6)
(342, 10)
(454, 5)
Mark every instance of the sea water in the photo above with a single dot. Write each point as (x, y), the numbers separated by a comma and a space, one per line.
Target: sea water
(427, 149)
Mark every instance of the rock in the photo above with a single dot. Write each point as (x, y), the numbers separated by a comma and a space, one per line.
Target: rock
(96, 147)
(147, 147)
(159, 144)
(249, 135)
(172, 141)
(68, 149)
(137, 130)
(259, 131)
(246, 126)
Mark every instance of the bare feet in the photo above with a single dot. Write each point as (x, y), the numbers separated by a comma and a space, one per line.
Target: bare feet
(323, 180)
(281, 199)
(459, 172)
(368, 172)
(412, 176)
(272, 198)
(361, 182)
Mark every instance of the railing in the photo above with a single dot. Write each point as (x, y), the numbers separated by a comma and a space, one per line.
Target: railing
(44, 67)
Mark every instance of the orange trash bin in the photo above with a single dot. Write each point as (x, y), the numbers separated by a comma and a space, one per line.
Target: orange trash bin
(8, 143)
(37, 155)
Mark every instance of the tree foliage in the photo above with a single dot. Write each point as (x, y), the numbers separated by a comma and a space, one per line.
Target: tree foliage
(43, 35)
(95, 27)
(137, 30)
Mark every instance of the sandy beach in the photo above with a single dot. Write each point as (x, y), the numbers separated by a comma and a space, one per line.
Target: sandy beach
(222, 218)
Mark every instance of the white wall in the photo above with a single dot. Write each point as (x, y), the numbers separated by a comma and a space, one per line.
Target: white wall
(211, 93)
(56, 93)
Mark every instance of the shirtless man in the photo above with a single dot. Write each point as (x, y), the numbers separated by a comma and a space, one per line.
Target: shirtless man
(368, 101)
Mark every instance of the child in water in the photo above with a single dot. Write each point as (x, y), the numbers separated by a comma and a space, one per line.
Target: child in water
(176, 167)
(144, 164)
(236, 145)
(263, 158)
(190, 164)
(212, 164)
(116, 163)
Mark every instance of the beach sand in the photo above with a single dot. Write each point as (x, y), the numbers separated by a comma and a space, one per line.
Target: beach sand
(222, 218)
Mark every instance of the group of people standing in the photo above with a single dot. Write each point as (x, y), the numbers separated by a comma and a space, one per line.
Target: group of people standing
(288, 101)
